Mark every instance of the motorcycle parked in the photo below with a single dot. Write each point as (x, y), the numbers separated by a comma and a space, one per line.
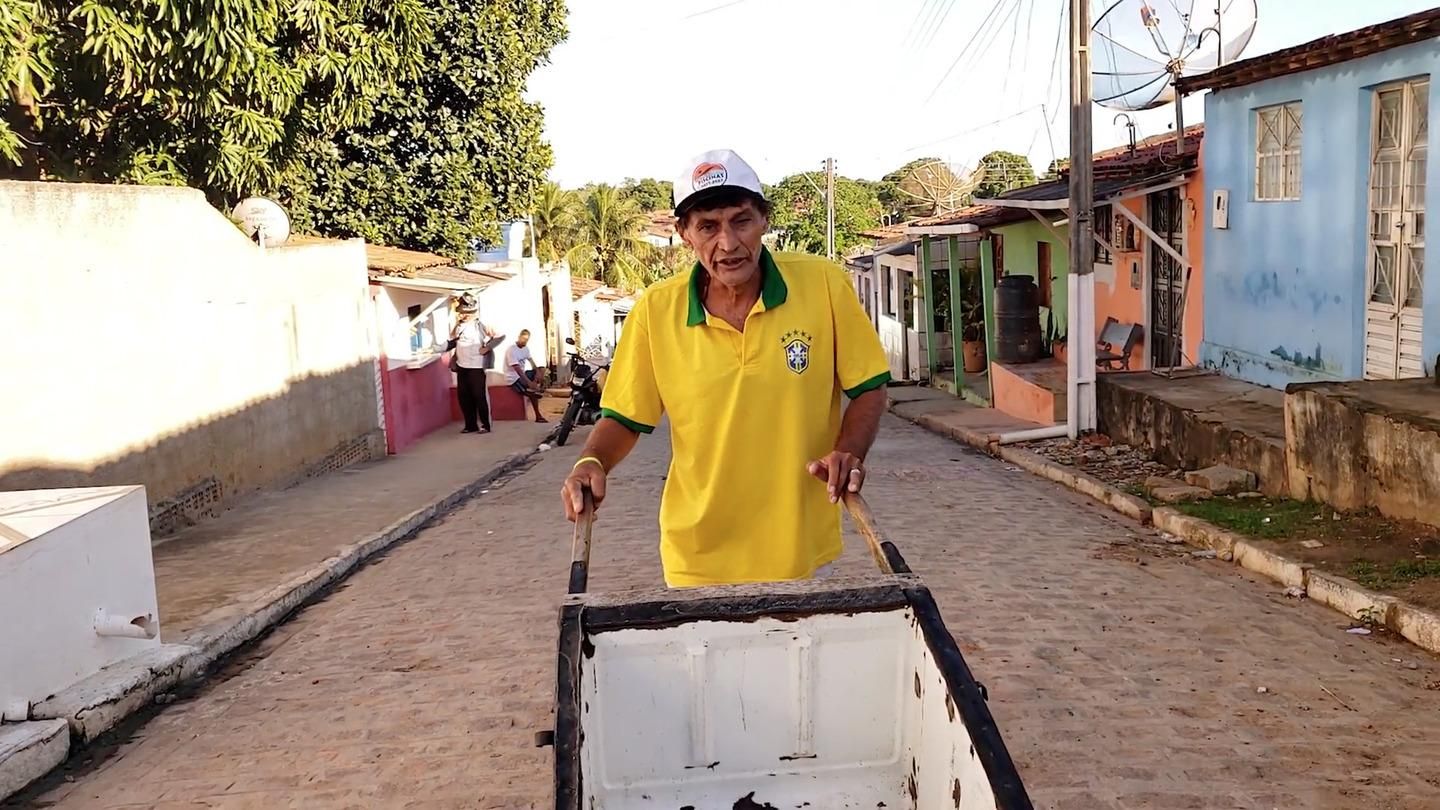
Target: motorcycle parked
(584, 407)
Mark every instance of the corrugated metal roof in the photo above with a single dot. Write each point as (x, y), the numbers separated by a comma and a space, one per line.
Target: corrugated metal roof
(1318, 53)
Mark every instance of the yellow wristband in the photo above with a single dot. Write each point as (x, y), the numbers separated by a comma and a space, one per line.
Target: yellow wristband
(597, 461)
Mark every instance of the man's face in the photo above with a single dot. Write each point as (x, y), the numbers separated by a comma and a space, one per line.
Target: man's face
(523, 338)
(727, 241)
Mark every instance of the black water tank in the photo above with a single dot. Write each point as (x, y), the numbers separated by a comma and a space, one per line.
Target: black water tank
(1017, 320)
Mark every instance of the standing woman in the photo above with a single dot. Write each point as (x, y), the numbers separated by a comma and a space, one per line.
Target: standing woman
(468, 340)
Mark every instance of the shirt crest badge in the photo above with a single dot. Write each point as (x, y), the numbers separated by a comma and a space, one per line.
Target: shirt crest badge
(796, 345)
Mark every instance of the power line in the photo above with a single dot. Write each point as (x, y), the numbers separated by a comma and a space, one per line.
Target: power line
(935, 29)
(964, 132)
(961, 55)
(1010, 57)
(1054, 66)
(915, 22)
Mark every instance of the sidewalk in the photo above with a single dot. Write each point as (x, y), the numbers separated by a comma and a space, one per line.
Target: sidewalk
(948, 415)
(211, 574)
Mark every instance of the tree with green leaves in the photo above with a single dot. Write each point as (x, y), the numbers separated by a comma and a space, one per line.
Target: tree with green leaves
(650, 194)
(1004, 171)
(799, 213)
(217, 94)
(609, 244)
(554, 216)
(450, 153)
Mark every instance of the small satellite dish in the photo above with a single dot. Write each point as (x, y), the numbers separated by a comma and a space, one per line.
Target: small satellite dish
(262, 220)
(1142, 48)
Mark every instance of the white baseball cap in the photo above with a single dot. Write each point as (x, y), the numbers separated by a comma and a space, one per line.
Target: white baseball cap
(710, 173)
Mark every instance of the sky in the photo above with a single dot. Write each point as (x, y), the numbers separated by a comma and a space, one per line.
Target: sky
(642, 85)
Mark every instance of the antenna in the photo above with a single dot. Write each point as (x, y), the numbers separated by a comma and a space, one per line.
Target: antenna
(1140, 51)
(262, 220)
(1130, 125)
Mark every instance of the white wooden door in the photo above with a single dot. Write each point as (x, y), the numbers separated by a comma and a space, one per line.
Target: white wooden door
(890, 320)
(1395, 272)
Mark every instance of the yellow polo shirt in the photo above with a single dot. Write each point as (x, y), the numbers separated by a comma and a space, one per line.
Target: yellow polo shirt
(748, 410)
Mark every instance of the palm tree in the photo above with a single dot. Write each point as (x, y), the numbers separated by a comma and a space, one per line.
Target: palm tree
(609, 246)
(554, 217)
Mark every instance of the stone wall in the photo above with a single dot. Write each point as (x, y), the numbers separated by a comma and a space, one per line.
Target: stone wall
(1360, 445)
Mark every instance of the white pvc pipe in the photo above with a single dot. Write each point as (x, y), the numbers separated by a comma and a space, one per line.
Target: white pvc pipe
(112, 626)
(1033, 434)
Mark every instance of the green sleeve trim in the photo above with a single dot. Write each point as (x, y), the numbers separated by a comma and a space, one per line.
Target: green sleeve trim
(631, 424)
(879, 380)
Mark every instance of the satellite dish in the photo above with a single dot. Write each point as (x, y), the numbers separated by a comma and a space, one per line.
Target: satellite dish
(942, 188)
(262, 220)
(1141, 47)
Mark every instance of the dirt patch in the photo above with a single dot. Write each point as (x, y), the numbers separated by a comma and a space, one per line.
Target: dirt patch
(1118, 465)
(1397, 557)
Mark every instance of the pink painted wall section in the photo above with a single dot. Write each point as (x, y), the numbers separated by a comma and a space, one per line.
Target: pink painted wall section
(1016, 396)
(417, 402)
(1115, 297)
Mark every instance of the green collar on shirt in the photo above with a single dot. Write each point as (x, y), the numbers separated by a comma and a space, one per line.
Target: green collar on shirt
(772, 288)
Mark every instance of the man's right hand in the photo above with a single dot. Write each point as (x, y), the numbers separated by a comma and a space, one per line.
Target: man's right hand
(588, 474)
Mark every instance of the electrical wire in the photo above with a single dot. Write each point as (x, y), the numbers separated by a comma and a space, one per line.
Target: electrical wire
(916, 23)
(964, 49)
(964, 132)
(935, 29)
(1010, 56)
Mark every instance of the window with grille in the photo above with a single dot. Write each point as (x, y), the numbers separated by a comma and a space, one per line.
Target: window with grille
(1277, 152)
(1104, 225)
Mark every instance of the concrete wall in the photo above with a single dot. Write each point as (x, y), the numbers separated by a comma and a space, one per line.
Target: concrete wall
(148, 342)
(596, 319)
(1286, 282)
(1364, 445)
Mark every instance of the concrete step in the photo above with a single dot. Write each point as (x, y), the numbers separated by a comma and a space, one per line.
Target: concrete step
(29, 750)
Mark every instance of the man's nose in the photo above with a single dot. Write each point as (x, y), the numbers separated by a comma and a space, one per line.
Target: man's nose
(726, 241)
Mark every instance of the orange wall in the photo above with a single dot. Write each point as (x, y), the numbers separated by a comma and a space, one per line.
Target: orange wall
(1116, 298)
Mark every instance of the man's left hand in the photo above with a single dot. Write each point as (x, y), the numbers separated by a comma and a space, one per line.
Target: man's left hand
(841, 471)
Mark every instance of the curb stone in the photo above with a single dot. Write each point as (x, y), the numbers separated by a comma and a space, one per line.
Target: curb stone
(30, 750)
(1417, 625)
(97, 704)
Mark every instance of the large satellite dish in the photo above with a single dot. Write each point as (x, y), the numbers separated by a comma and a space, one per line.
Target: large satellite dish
(940, 187)
(1140, 47)
(262, 220)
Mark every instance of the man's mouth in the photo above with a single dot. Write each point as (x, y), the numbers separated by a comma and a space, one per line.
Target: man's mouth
(730, 264)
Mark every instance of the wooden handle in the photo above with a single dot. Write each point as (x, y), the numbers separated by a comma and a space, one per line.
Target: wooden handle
(580, 543)
(864, 521)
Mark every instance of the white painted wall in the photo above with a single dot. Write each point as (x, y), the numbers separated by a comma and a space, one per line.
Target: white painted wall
(597, 326)
(64, 555)
(155, 344)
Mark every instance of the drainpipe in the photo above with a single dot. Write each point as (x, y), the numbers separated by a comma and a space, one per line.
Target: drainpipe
(1034, 434)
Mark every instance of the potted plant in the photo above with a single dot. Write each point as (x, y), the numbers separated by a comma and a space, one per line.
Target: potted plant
(972, 309)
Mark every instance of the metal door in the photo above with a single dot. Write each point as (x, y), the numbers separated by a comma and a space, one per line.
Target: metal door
(1167, 278)
(1395, 264)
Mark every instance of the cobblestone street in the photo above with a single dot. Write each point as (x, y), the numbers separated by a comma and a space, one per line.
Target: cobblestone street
(1123, 672)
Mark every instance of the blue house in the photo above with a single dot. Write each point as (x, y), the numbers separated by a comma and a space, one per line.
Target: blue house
(1316, 173)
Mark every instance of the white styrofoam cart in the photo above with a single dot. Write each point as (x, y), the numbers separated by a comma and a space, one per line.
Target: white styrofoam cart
(836, 693)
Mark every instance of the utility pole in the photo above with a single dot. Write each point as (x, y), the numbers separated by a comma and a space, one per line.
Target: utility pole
(830, 208)
(1080, 320)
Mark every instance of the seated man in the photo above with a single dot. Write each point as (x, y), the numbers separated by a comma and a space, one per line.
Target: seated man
(525, 381)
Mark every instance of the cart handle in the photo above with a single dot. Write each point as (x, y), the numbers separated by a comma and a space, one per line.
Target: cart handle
(580, 543)
(886, 555)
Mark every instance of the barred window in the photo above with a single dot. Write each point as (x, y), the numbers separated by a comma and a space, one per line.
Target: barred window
(1277, 152)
